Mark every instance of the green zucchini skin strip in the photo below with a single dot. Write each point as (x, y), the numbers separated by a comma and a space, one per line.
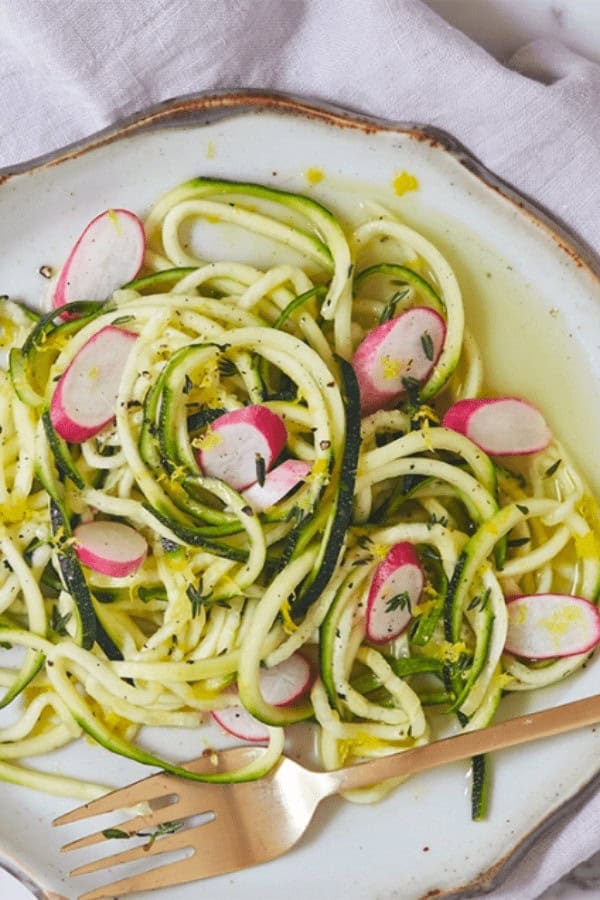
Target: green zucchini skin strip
(341, 515)
(73, 576)
(480, 787)
(86, 719)
(159, 282)
(408, 277)
(320, 217)
(62, 455)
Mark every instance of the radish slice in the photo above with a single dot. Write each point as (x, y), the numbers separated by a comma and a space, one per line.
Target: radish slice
(544, 626)
(395, 590)
(110, 548)
(502, 426)
(239, 440)
(85, 396)
(405, 347)
(279, 686)
(237, 721)
(278, 483)
(107, 254)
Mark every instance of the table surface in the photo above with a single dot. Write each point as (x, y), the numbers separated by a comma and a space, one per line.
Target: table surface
(502, 27)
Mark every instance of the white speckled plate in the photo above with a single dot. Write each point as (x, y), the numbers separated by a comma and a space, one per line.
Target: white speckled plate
(534, 302)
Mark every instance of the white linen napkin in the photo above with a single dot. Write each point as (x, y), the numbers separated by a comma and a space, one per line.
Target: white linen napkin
(72, 67)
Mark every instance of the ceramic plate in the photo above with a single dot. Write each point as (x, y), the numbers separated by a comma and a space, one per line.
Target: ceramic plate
(533, 301)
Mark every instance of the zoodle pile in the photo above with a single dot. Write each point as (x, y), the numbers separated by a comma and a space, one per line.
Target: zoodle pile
(272, 495)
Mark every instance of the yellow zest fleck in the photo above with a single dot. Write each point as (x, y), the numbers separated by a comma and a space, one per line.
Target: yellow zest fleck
(314, 176)
(424, 607)
(380, 551)
(289, 626)
(14, 510)
(426, 414)
(562, 620)
(405, 182)
(214, 220)
(94, 372)
(319, 468)
(207, 441)
(211, 150)
(115, 220)
(178, 473)
(391, 368)
(503, 679)
(426, 434)
(445, 651)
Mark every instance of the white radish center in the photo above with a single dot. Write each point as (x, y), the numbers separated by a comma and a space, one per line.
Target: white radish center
(108, 255)
(91, 384)
(233, 457)
(408, 350)
(508, 426)
(392, 607)
(549, 625)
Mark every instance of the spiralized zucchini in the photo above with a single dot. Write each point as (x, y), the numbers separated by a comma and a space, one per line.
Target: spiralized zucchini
(224, 591)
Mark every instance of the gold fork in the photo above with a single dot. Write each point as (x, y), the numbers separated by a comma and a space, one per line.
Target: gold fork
(256, 821)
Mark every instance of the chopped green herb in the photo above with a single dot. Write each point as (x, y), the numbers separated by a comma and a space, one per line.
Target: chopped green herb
(411, 386)
(480, 600)
(398, 601)
(518, 542)
(58, 622)
(261, 469)
(116, 833)
(226, 367)
(435, 520)
(389, 310)
(552, 469)
(427, 345)
(464, 661)
(163, 828)
(122, 320)
(523, 509)
(189, 384)
(196, 599)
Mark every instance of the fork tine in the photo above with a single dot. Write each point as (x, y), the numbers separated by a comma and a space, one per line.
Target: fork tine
(155, 786)
(146, 790)
(195, 800)
(216, 854)
(177, 841)
(178, 872)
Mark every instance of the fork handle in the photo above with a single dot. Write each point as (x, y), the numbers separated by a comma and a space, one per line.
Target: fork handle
(521, 730)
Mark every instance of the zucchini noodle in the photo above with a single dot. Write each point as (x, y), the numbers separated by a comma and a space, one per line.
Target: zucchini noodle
(227, 590)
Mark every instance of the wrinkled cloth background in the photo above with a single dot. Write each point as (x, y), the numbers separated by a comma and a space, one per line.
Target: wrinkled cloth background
(69, 68)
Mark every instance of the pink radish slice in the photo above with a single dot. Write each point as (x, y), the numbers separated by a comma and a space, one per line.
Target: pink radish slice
(110, 548)
(502, 426)
(239, 438)
(237, 721)
(405, 347)
(395, 589)
(278, 483)
(280, 686)
(85, 396)
(541, 626)
(107, 254)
